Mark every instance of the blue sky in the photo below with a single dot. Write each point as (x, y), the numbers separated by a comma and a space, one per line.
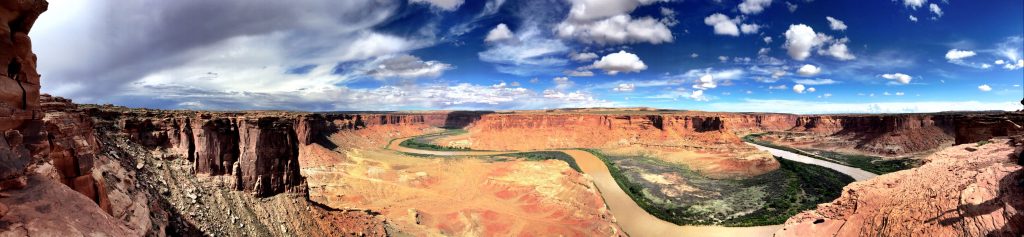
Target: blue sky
(793, 56)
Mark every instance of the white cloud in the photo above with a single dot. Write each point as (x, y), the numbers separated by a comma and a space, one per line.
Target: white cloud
(835, 24)
(625, 87)
(562, 83)
(815, 82)
(799, 88)
(763, 51)
(791, 6)
(579, 73)
(698, 95)
(985, 88)
(722, 24)
(617, 29)
(529, 54)
(669, 17)
(986, 66)
(1000, 62)
(811, 90)
(754, 6)
(694, 55)
(705, 82)
(934, 8)
(838, 50)
(914, 4)
(407, 66)
(447, 5)
(898, 77)
(767, 39)
(582, 57)
(956, 54)
(588, 10)
(620, 62)
(899, 93)
(779, 87)
(1014, 66)
(749, 28)
(499, 33)
(808, 70)
(801, 39)
(913, 18)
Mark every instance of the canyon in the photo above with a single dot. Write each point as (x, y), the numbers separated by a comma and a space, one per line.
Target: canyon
(71, 169)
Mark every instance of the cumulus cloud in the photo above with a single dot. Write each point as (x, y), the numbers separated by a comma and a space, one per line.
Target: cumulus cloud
(749, 28)
(754, 6)
(799, 88)
(609, 22)
(835, 24)
(617, 30)
(582, 57)
(808, 70)
(914, 4)
(898, 77)
(499, 33)
(562, 83)
(767, 39)
(985, 88)
(625, 87)
(697, 95)
(934, 8)
(447, 5)
(408, 66)
(801, 40)
(620, 62)
(723, 25)
(816, 82)
(913, 18)
(705, 82)
(956, 54)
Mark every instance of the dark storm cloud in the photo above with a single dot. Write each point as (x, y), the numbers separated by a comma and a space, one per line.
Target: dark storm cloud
(109, 44)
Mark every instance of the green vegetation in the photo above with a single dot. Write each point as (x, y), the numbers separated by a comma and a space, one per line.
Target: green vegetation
(424, 142)
(871, 164)
(982, 143)
(414, 144)
(766, 199)
(548, 155)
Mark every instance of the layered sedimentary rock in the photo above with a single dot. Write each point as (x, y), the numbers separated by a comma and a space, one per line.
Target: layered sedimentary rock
(20, 117)
(966, 190)
(546, 131)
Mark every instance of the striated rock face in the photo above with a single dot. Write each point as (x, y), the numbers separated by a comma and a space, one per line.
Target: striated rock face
(966, 190)
(981, 128)
(72, 148)
(546, 131)
(216, 144)
(20, 118)
(269, 159)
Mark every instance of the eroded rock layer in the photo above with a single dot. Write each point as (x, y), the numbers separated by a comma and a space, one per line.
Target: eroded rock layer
(966, 190)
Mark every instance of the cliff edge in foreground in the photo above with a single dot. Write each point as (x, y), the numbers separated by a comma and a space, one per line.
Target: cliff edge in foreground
(973, 189)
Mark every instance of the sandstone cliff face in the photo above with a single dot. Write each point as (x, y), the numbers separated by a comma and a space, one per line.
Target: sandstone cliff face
(269, 159)
(547, 131)
(966, 190)
(20, 117)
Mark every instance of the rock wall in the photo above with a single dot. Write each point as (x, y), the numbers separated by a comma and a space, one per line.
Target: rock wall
(20, 116)
(547, 131)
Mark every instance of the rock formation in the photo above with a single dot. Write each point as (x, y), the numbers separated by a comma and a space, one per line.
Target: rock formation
(966, 190)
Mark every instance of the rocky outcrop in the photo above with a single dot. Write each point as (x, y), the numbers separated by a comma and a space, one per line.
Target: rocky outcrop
(20, 117)
(269, 156)
(966, 190)
(983, 127)
(72, 148)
